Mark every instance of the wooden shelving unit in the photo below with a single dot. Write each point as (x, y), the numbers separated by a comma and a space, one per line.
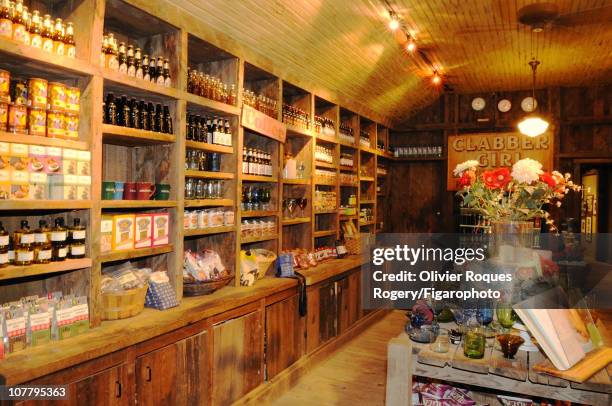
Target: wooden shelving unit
(137, 204)
(135, 253)
(14, 271)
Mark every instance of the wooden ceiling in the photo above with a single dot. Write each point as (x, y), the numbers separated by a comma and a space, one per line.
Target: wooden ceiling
(345, 47)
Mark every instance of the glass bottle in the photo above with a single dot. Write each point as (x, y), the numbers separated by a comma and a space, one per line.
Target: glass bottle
(134, 114)
(167, 79)
(69, 41)
(122, 59)
(146, 75)
(131, 62)
(189, 132)
(59, 241)
(143, 116)
(474, 341)
(47, 34)
(138, 63)
(228, 134)
(209, 131)
(24, 237)
(104, 51)
(27, 22)
(59, 48)
(245, 162)
(11, 251)
(151, 117)
(125, 112)
(18, 23)
(111, 53)
(6, 20)
(232, 95)
(111, 110)
(167, 121)
(36, 30)
(157, 119)
(4, 246)
(159, 71)
(42, 245)
(152, 71)
(78, 234)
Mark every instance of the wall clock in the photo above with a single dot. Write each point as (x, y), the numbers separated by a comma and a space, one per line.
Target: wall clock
(529, 104)
(504, 105)
(478, 103)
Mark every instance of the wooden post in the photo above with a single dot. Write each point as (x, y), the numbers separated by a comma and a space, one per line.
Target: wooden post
(399, 372)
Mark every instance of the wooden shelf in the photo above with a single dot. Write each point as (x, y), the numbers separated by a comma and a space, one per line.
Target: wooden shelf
(137, 204)
(297, 220)
(138, 86)
(117, 135)
(14, 271)
(44, 204)
(209, 202)
(257, 178)
(367, 201)
(321, 164)
(585, 155)
(327, 138)
(291, 129)
(210, 105)
(419, 159)
(324, 233)
(346, 218)
(324, 183)
(366, 223)
(45, 141)
(368, 150)
(208, 231)
(135, 253)
(347, 168)
(334, 211)
(204, 146)
(296, 181)
(366, 178)
(258, 213)
(250, 240)
(208, 174)
(342, 184)
(346, 144)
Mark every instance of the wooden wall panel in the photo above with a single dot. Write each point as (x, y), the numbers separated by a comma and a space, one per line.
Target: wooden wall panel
(284, 335)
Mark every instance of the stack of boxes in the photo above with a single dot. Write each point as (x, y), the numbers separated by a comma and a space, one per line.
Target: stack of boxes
(40, 173)
(129, 231)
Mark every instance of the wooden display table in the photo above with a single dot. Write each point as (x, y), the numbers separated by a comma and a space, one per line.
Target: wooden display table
(407, 359)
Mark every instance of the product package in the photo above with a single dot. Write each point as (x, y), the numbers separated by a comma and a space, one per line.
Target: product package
(143, 236)
(5, 184)
(161, 224)
(123, 232)
(106, 233)
(14, 328)
(20, 185)
(80, 316)
(69, 161)
(19, 157)
(37, 158)
(160, 294)
(84, 163)
(83, 187)
(39, 323)
(38, 186)
(53, 162)
(124, 277)
(203, 267)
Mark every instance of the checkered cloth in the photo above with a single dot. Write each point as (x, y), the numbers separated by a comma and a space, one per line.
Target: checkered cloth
(161, 296)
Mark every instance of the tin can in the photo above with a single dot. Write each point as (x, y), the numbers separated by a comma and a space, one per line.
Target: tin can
(5, 85)
(37, 121)
(57, 96)
(17, 115)
(37, 92)
(55, 124)
(19, 92)
(73, 99)
(3, 115)
(71, 125)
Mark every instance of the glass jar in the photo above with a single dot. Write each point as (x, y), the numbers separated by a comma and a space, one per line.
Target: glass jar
(474, 340)
(189, 189)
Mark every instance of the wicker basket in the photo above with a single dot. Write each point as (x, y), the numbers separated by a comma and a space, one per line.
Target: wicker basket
(124, 304)
(264, 259)
(353, 246)
(205, 288)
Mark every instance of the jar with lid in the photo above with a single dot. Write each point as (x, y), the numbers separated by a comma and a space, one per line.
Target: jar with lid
(77, 235)
(59, 241)
(5, 85)
(56, 124)
(24, 240)
(17, 118)
(42, 244)
(4, 246)
(37, 92)
(37, 121)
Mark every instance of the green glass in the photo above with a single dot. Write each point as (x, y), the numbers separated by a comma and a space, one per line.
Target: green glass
(505, 315)
(474, 343)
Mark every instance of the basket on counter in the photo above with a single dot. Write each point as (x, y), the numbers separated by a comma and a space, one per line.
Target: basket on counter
(205, 288)
(123, 304)
(353, 245)
(264, 259)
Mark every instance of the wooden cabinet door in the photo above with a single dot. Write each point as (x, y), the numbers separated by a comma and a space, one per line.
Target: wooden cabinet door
(348, 291)
(284, 335)
(108, 388)
(328, 312)
(237, 357)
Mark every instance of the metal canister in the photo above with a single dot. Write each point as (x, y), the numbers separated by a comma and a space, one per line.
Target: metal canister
(57, 96)
(17, 118)
(73, 99)
(19, 92)
(37, 92)
(55, 124)
(71, 125)
(3, 115)
(5, 85)
(37, 121)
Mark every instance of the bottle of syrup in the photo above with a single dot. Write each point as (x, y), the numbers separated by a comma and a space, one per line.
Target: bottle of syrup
(4, 246)
(59, 241)
(78, 234)
(42, 243)
(24, 240)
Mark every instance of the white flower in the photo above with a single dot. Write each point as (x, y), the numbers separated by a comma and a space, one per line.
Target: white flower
(464, 166)
(526, 170)
(558, 204)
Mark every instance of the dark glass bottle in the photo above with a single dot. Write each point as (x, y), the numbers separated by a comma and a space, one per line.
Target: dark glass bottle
(167, 121)
(143, 116)
(134, 122)
(157, 120)
(123, 66)
(151, 116)
(4, 246)
(138, 63)
(125, 111)
(146, 75)
(152, 71)
(197, 128)
(166, 72)
(214, 162)
(110, 115)
(189, 132)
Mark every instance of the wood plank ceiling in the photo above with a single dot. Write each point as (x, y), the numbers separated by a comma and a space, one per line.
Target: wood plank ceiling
(345, 47)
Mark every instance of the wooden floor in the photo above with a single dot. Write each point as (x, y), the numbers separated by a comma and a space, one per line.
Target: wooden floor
(354, 375)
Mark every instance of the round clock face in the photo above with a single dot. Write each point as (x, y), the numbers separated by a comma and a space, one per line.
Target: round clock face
(478, 103)
(504, 105)
(529, 104)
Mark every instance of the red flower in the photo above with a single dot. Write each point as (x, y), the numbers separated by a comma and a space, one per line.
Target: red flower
(465, 180)
(548, 179)
(497, 179)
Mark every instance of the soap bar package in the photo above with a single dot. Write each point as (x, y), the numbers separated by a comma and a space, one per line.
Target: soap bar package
(5, 155)
(53, 160)
(106, 233)
(20, 185)
(63, 187)
(37, 158)
(161, 225)
(69, 161)
(62, 320)
(143, 236)
(80, 316)
(19, 157)
(15, 329)
(5, 184)
(39, 325)
(38, 186)
(84, 187)
(84, 163)
(123, 232)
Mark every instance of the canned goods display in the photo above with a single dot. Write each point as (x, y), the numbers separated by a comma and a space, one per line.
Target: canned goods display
(73, 99)
(5, 85)
(71, 125)
(19, 92)
(37, 121)
(3, 116)
(37, 92)
(57, 96)
(17, 115)
(55, 124)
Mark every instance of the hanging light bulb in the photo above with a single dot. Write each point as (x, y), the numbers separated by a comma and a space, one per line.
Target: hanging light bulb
(436, 79)
(410, 45)
(533, 125)
(394, 22)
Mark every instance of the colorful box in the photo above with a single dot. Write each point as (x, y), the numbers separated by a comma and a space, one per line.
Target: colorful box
(69, 161)
(5, 184)
(20, 185)
(106, 233)
(19, 157)
(143, 236)
(84, 187)
(161, 228)
(123, 232)
(38, 156)
(53, 163)
(38, 186)
(84, 163)
(5, 155)
(63, 187)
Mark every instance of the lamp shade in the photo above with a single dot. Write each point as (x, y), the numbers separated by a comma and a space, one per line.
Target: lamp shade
(533, 126)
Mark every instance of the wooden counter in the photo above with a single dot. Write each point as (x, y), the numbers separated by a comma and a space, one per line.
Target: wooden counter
(112, 336)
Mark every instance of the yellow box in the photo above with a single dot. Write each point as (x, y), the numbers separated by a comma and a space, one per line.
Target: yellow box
(161, 228)
(5, 184)
(53, 163)
(123, 232)
(19, 157)
(5, 155)
(20, 185)
(106, 233)
(143, 236)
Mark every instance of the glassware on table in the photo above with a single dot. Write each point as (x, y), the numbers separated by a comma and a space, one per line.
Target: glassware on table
(474, 342)
(291, 205)
(509, 344)
(265, 197)
(442, 342)
(505, 315)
